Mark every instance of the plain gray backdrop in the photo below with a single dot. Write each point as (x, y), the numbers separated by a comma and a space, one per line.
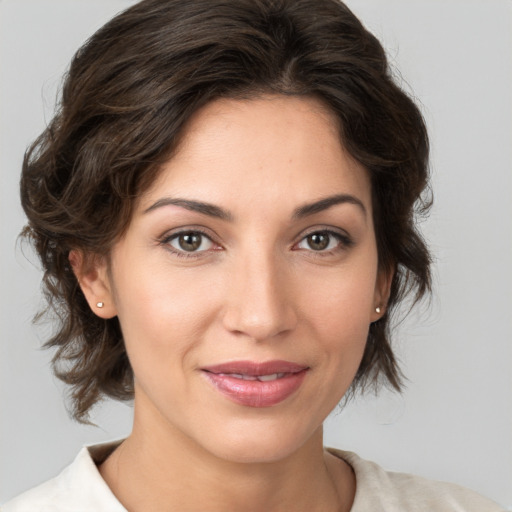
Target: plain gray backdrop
(454, 421)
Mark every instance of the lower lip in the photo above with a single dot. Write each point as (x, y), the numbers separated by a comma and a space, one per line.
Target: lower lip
(255, 393)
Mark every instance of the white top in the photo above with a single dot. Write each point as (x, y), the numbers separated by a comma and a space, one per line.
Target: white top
(80, 488)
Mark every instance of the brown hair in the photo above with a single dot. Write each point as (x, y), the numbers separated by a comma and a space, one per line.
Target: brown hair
(125, 101)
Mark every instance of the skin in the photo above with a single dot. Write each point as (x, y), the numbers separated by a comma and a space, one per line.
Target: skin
(256, 289)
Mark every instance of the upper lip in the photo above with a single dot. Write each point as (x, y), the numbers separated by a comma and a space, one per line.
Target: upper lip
(255, 368)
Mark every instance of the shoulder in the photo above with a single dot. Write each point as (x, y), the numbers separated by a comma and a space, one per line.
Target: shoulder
(387, 491)
(78, 488)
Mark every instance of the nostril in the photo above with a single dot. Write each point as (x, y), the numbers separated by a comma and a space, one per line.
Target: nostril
(259, 326)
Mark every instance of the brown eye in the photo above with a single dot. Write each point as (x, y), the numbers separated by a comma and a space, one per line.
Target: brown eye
(190, 241)
(318, 241)
(324, 242)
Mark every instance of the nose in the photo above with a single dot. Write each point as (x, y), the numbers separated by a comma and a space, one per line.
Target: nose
(260, 302)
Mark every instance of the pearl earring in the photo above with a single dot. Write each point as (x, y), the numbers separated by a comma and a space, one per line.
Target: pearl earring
(377, 309)
(99, 304)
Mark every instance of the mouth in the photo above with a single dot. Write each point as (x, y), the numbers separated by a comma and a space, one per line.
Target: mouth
(256, 384)
(261, 378)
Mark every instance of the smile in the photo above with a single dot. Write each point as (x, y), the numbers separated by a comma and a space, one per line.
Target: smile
(256, 384)
(261, 378)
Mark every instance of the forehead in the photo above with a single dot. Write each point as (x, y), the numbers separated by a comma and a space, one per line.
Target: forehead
(282, 149)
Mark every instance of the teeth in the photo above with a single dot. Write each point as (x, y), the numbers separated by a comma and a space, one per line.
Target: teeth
(265, 378)
(262, 378)
(274, 376)
(240, 376)
(249, 377)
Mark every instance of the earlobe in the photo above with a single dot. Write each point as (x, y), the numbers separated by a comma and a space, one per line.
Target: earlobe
(92, 275)
(381, 296)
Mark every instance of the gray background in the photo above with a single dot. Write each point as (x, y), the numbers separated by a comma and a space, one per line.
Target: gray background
(454, 422)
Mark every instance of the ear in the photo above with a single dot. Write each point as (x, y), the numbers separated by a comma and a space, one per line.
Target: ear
(381, 294)
(92, 274)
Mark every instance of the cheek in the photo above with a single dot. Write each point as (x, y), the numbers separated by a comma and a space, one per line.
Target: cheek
(337, 309)
(341, 298)
(162, 315)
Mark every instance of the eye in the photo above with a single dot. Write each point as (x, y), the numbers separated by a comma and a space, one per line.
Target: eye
(190, 241)
(323, 241)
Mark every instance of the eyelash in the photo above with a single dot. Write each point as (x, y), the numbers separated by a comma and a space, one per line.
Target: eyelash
(343, 239)
(166, 241)
(344, 242)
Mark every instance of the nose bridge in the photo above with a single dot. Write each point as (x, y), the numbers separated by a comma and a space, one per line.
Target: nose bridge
(260, 305)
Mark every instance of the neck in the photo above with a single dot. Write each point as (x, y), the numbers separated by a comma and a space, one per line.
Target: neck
(167, 470)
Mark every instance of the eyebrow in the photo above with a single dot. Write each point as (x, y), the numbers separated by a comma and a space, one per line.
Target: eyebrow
(299, 213)
(326, 203)
(195, 206)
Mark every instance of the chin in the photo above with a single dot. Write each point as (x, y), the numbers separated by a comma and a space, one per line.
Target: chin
(260, 443)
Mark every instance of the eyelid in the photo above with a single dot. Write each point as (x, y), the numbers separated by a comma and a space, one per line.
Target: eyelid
(325, 229)
(344, 238)
(172, 234)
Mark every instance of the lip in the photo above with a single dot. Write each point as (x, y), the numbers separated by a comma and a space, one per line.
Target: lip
(238, 381)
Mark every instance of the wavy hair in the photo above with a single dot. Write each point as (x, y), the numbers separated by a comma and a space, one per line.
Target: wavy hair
(126, 98)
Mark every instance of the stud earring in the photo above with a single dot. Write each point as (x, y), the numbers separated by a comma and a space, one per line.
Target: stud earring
(99, 304)
(377, 309)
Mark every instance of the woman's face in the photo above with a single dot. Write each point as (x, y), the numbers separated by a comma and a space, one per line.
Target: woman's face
(247, 280)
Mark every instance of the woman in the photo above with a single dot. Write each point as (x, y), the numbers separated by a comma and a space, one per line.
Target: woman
(224, 208)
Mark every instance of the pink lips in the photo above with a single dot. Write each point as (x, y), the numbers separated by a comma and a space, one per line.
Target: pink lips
(256, 384)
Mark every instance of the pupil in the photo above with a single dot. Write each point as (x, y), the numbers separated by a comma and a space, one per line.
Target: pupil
(318, 241)
(190, 241)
